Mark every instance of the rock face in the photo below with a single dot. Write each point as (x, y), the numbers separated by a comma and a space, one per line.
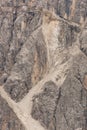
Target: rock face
(29, 68)
(46, 102)
(73, 10)
(8, 119)
(43, 65)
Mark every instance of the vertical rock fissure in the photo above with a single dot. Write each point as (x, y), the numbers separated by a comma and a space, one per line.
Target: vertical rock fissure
(57, 101)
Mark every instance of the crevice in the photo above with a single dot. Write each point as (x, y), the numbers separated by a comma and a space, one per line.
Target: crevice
(78, 77)
(84, 50)
(57, 101)
(66, 119)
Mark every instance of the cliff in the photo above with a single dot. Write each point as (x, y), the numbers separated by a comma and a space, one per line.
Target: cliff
(43, 65)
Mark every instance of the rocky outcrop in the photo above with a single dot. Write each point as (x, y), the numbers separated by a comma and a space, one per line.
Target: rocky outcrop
(73, 10)
(43, 65)
(29, 68)
(8, 119)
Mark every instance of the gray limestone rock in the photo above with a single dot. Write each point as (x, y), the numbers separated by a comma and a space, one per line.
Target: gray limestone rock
(44, 43)
(65, 107)
(72, 106)
(83, 41)
(8, 119)
(73, 10)
(44, 104)
(29, 68)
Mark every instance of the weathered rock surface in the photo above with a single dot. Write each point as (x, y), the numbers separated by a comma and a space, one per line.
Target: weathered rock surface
(29, 67)
(45, 104)
(43, 64)
(67, 108)
(73, 10)
(8, 119)
(72, 105)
